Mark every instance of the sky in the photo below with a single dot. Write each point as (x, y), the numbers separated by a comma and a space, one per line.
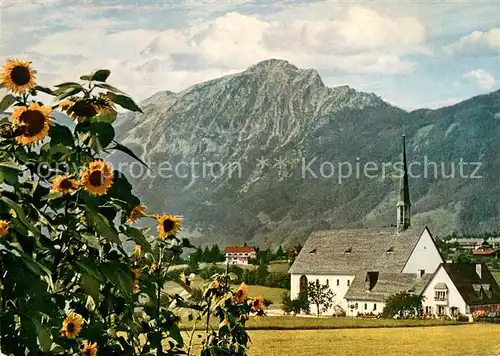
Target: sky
(413, 54)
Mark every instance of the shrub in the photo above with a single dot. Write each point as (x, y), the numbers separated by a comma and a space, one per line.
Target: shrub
(403, 305)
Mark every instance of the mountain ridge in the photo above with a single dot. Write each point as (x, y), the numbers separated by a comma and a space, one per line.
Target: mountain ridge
(274, 109)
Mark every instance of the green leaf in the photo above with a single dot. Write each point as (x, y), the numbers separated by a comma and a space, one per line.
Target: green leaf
(44, 90)
(90, 240)
(7, 101)
(43, 335)
(175, 333)
(9, 173)
(21, 216)
(91, 285)
(137, 236)
(65, 85)
(110, 88)
(102, 226)
(60, 134)
(32, 265)
(120, 275)
(124, 101)
(102, 131)
(67, 91)
(128, 151)
(52, 196)
(107, 116)
(101, 75)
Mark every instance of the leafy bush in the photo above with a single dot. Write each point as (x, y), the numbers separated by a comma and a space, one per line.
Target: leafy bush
(403, 305)
(294, 306)
(67, 283)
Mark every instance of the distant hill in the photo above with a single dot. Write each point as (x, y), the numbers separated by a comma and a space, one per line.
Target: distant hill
(273, 110)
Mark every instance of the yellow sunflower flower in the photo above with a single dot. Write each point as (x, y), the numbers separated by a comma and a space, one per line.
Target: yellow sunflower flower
(13, 213)
(137, 252)
(257, 304)
(35, 120)
(71, 325)
(97, 177)
(136, 213)
(168, 225)
(17, 75)
(64, 185)
(4, 228)
(80, 109)
(137, 275)
(241, 293)
(89, 349)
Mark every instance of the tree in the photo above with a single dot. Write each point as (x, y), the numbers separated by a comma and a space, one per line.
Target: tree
(320, 295)
(279, 253)
(403, 305)
(216, 254)
(206, 255)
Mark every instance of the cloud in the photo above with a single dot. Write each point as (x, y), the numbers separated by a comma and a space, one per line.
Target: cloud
(476, 43)
(482, 78)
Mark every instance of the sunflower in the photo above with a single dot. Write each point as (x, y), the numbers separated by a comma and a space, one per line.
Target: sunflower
(4, 228)
(241, 293)
(257, 304)
(89, 349)
(137, 252)
(71, 325)
(64, 184)
(18, 76)
(97, 177)
(136, 213)
(81, 108)
(35, 120)
(168, 225)
(137, 275)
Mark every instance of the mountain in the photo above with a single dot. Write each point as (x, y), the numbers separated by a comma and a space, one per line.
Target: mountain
(299, 129)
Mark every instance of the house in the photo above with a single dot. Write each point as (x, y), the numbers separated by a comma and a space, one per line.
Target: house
(239, 255)
(363, 267)
(485, 249)
(461, 288)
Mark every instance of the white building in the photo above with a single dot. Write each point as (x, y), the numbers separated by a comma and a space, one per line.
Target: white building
(365, 266)
(239, 255)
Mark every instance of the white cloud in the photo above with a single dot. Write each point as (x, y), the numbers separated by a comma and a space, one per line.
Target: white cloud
(476, 43)
(484, 79)
(358, 40)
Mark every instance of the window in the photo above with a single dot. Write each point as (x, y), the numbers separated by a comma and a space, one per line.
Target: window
(440, 295)
(375, 306)
(338, 282)
(390, 250)
(428, 310)
(348, 251)
(441, 310)
(366, 306)
(348, 283)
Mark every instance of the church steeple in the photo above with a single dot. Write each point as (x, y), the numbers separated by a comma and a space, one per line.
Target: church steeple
(403, 205)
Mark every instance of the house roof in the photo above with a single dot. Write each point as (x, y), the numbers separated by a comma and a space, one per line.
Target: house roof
(387, 284)
(484, 251)
(348, 251)
(467, 281)
(238, 249)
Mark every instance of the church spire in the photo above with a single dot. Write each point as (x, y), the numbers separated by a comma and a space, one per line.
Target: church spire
(403, 205)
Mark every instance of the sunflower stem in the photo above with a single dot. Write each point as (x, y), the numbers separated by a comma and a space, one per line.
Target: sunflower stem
(158, 296)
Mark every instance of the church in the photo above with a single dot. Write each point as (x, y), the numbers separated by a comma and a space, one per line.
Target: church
(363, 267)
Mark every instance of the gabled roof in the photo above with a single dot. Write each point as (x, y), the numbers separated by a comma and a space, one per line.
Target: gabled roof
(238, 249)
(469, 284)
(348, 251)
(387, 284)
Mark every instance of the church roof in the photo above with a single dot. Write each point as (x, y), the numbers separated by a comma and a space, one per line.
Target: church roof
(474, 290)
(348, 251)
(386, 285)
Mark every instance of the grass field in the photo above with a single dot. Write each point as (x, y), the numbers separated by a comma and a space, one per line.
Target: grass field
(461, 340)
(302, 323)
